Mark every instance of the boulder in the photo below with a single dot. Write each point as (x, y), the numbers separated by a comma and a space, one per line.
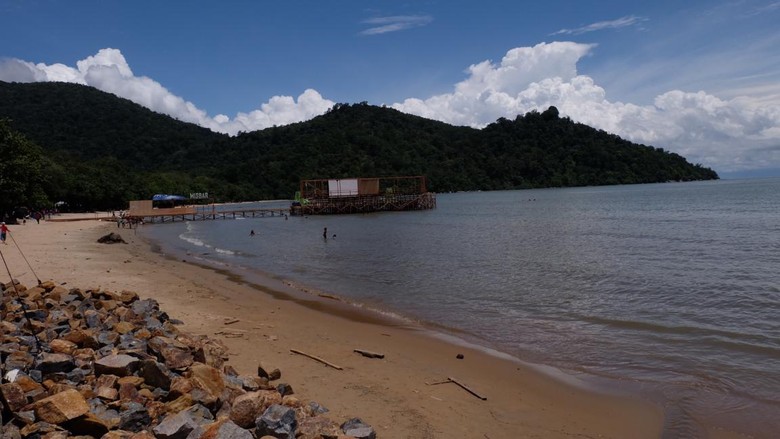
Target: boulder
(207, 378)
(13, 396)
(87, 425)
(61, 407)
(317, 427)
(225, 429)
(177, 426)
(277, 421)
(134, 417)
(117, 367)
(155, 374)
(52, 363)
(61, 346)
(117, 364)
(246, 408)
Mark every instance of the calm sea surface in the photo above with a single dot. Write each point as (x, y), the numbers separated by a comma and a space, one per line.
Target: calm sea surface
(671, 289)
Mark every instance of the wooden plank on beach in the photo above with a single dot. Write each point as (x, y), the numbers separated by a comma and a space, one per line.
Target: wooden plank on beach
(327, 363)
(369, 354)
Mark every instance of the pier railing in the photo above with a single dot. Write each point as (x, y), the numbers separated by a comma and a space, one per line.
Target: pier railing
(201, 213)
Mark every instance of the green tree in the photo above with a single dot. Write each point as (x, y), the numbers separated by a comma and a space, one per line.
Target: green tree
(21, 162)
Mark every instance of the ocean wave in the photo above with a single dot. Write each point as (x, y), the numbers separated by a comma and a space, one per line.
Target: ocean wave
(194, 241)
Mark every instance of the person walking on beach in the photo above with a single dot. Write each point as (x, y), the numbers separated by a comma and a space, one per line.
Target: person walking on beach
(3, 232)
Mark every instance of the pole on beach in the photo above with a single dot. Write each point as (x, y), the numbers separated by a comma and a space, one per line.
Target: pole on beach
(21, 302)
(25, 258)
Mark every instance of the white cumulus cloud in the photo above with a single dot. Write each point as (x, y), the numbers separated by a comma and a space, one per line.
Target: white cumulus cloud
(734, 134)
(109, 71)
(731, 135)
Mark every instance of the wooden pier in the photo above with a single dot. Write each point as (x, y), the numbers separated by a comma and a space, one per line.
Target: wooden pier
(214, 215)
(143, 211)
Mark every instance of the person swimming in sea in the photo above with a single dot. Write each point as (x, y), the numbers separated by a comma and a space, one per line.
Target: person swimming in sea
(252, 232)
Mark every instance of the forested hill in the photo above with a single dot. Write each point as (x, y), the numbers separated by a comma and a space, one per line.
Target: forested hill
(119, 150)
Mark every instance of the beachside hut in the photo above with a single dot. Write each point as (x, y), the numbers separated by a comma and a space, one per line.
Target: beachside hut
(362, 195)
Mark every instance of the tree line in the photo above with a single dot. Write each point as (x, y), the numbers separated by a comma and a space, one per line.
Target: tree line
(94, 150)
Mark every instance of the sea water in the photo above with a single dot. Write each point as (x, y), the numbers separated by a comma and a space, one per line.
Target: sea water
(673, 289)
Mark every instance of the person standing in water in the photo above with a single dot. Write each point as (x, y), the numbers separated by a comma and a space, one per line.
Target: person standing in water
(325, 233)
(252, 232)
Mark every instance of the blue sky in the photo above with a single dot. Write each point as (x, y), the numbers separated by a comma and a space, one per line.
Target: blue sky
(701, 78)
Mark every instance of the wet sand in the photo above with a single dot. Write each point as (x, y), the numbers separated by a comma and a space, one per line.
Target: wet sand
(262, 320)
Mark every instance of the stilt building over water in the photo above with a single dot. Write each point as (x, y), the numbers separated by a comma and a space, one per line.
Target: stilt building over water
(362, 195)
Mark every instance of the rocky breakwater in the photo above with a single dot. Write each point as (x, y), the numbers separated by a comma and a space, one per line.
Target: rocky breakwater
(93, 363)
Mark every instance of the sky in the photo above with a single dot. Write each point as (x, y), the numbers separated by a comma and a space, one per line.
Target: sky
(699, 78)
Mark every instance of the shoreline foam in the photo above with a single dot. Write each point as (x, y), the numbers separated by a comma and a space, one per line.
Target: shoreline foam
(386, 393)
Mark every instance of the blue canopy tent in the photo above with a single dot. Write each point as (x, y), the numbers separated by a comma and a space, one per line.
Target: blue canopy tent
(166, 197)
(165, 200)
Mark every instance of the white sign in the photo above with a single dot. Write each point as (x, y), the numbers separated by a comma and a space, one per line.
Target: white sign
(343, 188)
(199, 195)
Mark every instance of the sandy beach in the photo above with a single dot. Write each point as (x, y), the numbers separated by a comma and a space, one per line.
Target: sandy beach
(262, 321)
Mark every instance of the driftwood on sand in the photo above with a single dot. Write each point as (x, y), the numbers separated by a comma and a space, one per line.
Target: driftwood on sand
(463, 386)
(327, 363)
(369, 354)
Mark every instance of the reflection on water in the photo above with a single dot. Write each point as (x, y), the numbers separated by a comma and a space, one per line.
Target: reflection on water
(671, 286)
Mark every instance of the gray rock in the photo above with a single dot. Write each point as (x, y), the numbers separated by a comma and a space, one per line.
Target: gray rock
(99, 409)
(92, 319)
(118, 364)
(177, 426)
(228, 430)
(152, 323)
(248, 383)
(36, 375)
(284, 389)
(105, 351)
(19, 360)
(277, 421)
(317, 409)
(356, 428)
(155, 374)
(134, 418)
(77, 376)
(129, 342)
(200, 414)
(145, 307)
(106, 338)
(11, 431)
